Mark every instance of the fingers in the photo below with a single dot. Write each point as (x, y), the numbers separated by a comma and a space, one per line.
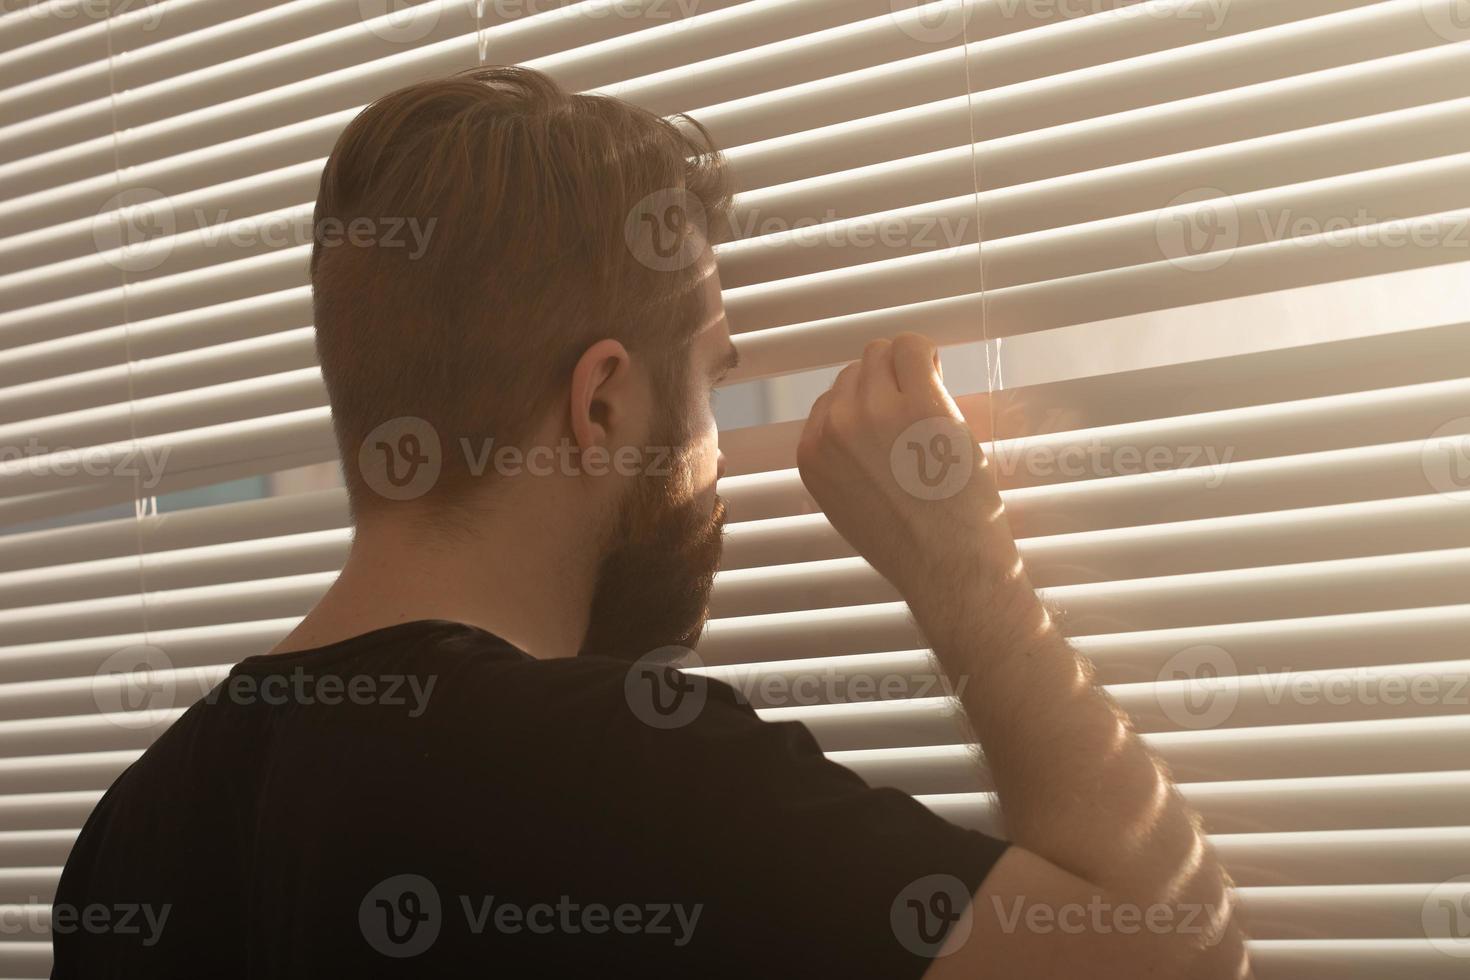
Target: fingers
(844, 389)
(916, 365)
(811, 433)
(907, 364)
(876, 379)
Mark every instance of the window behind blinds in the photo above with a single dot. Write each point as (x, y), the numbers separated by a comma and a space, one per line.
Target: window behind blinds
(1209, 255)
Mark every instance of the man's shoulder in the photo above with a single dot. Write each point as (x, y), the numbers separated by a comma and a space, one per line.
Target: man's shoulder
(614, 700)
(646, 727)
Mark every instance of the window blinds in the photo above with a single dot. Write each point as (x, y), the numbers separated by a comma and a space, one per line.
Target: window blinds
(1264, 547)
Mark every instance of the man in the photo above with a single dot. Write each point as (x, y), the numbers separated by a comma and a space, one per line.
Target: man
(524, 415)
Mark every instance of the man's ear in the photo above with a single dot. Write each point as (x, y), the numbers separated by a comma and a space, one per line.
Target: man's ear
(602, 395)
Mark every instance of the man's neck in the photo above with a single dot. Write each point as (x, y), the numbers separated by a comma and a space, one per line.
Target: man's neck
(519, 579)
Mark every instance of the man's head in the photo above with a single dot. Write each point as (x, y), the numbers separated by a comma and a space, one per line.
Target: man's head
(513, 283)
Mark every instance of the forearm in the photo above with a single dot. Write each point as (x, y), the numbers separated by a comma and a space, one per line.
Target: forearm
(1082, 796)
(1076, 785)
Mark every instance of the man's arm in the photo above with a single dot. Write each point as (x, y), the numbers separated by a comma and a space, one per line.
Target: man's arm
(1110, 856)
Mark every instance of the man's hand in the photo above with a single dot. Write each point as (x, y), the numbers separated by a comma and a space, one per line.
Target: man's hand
(895, 467)
(1092, 814)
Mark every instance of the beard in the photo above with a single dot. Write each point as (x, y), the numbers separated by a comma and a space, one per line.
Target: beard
(654, 581)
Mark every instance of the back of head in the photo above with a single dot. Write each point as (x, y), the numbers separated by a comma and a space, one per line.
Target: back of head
(474, 234)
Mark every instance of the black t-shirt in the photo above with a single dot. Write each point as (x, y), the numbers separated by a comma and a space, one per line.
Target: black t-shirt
(426, 800)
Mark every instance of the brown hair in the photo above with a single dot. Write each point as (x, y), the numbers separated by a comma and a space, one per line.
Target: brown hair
(527, 201)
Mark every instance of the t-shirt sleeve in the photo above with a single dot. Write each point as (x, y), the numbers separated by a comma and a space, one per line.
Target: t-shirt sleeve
(805, 867)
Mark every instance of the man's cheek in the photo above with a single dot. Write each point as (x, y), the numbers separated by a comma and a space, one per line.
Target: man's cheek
(706, 462)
